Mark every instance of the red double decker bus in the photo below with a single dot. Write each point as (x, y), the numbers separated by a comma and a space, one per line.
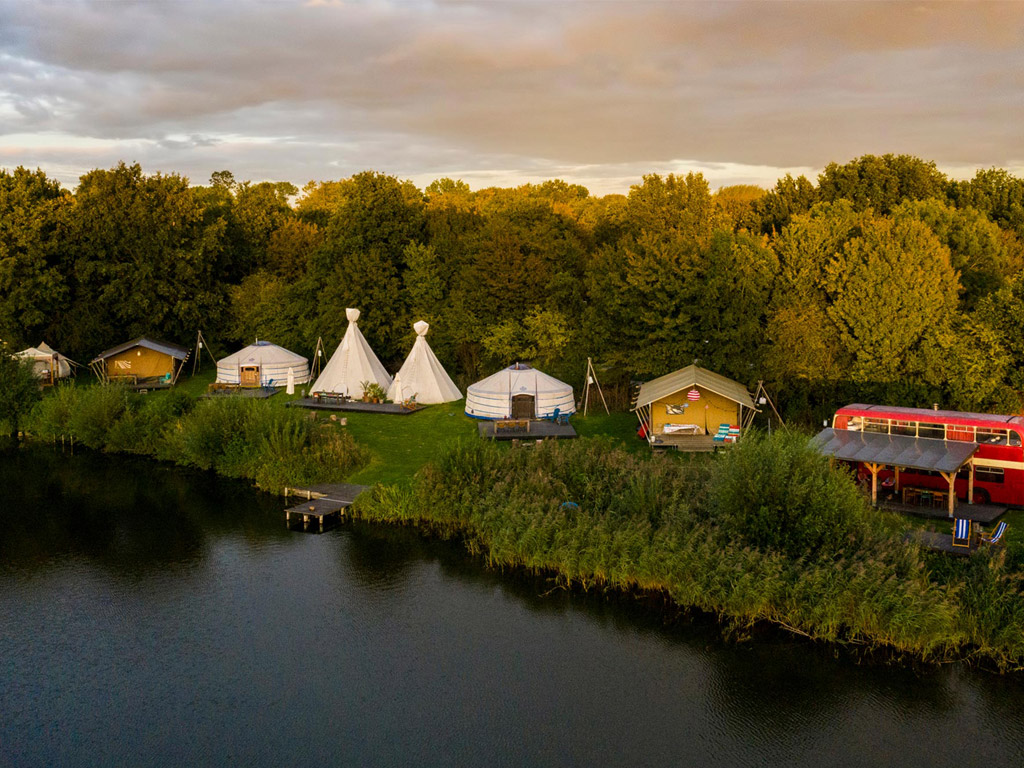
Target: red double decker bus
(998, 462)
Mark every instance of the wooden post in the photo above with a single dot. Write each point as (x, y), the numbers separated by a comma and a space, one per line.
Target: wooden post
(950, 478)
(970, 483)
(896, 483)
(873, 469)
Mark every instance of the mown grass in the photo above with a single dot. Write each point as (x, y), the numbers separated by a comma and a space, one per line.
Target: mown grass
(766, 532)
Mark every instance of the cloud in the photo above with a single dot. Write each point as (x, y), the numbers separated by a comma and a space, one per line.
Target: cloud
(509, 90)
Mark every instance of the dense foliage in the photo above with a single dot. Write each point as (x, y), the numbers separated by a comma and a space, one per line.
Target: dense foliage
(884, 281)
(235, 437)
(767, 532)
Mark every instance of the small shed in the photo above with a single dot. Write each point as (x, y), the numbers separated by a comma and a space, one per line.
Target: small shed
(141, 362)
(692, 405)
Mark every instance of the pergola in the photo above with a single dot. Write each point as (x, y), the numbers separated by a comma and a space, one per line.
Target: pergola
(876, 450)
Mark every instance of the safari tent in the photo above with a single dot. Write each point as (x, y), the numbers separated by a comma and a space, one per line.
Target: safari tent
(422, 377)
(352, 363)
(519, 392)
(140, 362)
(49, 365)
(262, 365)
(691, 403)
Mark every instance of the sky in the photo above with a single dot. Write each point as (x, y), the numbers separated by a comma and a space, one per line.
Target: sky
(505, 93)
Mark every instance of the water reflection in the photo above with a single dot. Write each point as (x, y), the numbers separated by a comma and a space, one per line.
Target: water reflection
(152, 616)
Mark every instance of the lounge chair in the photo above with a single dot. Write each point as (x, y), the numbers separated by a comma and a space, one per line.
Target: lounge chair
(962, 533)
(722, 434)
(996, 536)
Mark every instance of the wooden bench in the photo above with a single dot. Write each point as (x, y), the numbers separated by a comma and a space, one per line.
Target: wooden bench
(512, 425)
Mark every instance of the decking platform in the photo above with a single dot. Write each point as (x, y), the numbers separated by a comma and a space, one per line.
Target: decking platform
(252, 393)
(354, 405)
(979, 513)
(324, 503)
(689, 443)
(941, 542)
(537, 430)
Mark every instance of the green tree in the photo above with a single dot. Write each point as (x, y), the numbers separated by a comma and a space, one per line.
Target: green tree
(996, 193)
(788, 198)
(19, 388)
(881, 183)
(33, 287)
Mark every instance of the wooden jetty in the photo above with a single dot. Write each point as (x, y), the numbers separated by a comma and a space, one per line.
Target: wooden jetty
(323, 503)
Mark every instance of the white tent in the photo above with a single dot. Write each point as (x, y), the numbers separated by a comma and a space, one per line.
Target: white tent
(422, 376)
(262, 365)
(519, 392)
(49, 364)
(352, 363)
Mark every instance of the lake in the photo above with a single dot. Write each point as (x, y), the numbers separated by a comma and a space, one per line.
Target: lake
(153, 616)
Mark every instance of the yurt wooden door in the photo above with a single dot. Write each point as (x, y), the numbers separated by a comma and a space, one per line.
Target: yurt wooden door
(249, 376)
(523, 407)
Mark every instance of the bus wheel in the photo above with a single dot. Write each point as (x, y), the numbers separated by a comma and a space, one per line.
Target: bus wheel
(981, 496)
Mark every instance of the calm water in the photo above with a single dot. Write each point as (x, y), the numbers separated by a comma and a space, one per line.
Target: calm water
(154, 617)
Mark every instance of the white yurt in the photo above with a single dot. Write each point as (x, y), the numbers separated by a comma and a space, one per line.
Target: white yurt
(352, 363)
(422, 376)
(519, 392)
(49, 364)
(262, 365)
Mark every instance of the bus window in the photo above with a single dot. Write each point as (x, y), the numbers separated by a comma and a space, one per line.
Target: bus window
(937, 431)
(876, 425)
(1014, 438)
(966, 434)
(992, 436)
(988, 474)
(904, 428)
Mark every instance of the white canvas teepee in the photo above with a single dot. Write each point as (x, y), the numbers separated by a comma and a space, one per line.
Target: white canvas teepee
(422, 376)
(352, 363)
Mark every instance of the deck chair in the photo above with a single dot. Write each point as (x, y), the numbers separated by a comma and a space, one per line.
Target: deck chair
(962, 533)
(996, 536)
(734, 433)
(722, 433)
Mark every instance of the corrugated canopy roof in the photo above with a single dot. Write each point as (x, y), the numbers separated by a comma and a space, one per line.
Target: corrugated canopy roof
(173, 350)
(691, 375)
(894, 450)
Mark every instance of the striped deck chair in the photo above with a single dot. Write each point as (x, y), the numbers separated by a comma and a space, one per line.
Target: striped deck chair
(996, 536)
(722, 433)
(734, 434)
(961, 533)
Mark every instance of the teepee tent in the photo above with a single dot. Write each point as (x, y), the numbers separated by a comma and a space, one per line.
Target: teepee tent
(262, 365)
(519, 392)
(352, 363)
(49, 365)
(422, 376)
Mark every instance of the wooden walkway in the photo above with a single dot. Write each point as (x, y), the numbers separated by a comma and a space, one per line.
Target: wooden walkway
(354, 405)
(689, 443)
(940, 542)
(538, 430)
(324, 503)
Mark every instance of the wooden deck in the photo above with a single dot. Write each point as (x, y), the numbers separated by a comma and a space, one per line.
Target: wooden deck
(689, 443)
(324, 503)
(941, 542)
(979, 513)
(537, 430)
(354, 405)
(253, 393)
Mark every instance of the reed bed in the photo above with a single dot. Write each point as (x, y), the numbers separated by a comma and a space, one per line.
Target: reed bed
(767, 532)
(234, 437)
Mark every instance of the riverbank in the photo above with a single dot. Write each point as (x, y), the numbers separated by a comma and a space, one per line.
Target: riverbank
(768, 532)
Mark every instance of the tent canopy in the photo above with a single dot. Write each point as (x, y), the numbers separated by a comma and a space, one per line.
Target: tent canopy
(352, 363)
(47, 361)
(171, 350)
(692, 376)
(422, 376)
(493, 397)
(274, 363)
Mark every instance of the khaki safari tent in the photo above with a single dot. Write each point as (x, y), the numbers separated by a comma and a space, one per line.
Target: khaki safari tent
(262, 364)
(692, 409)
(142, 362)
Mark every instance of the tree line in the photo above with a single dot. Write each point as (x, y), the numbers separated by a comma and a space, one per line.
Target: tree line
(883, 280)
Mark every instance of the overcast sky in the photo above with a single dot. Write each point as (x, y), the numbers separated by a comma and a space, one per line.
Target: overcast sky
(596, 93)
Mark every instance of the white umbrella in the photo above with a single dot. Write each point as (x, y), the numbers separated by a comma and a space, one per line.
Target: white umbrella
(396, 390)
(290, 389)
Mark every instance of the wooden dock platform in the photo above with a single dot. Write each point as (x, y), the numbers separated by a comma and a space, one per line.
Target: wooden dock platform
(940, 542)
(979, 513)
(537, 430)
(323, 503)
